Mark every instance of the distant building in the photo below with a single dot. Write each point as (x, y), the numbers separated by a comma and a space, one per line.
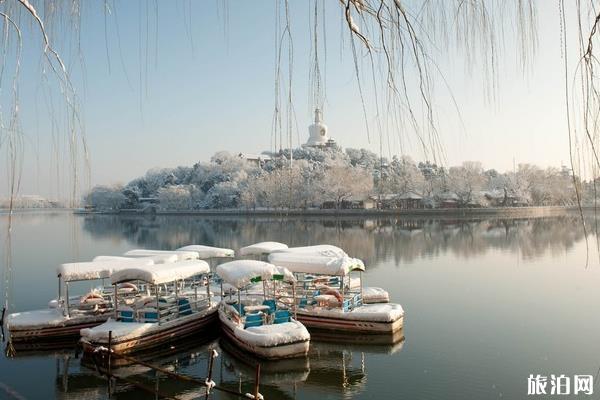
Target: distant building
(318, 133)
(258, 159)
(448, 200)
(410, 201)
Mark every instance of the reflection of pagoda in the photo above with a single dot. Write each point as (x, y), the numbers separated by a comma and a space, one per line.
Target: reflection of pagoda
(318, 133)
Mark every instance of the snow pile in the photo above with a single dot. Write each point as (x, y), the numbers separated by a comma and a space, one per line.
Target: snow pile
(97, 269)
(239, 273)
(316, 264)
(375, 295)
(205, 252)
(36, 319)
(162, 273)
(273, 335)
(181, 255)
(261, 248)
(385, 312)
(321, 250)
(120, 330)
(157, 259)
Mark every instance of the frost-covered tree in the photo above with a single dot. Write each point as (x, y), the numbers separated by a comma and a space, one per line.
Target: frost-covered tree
(466, 181)
(175, 197)
(106, 198)
(341, 183)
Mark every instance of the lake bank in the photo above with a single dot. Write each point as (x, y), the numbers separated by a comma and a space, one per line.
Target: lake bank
(437, 212)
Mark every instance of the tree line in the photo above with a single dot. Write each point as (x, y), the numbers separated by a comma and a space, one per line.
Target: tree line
(318, 175)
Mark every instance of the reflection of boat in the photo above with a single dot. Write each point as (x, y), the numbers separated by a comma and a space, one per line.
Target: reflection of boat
(159, 316)
(263, 328)
(67, 315)
(386, 344)
(289, 370)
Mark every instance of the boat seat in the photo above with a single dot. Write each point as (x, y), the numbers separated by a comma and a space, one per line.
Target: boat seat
(125, 314)
(271, 304)
(148, 315)
(184, 306)
(253, 320)
(281, 316)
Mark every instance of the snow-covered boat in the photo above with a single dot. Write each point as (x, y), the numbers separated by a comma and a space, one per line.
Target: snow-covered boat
(181, 254)
(325, 298)
(262, 249)
(208, 252)
(260, 324)
(171, 305)
(67, 315)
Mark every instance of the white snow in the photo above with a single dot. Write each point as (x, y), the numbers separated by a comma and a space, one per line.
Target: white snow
(157, 259)
(316, 264)
(120, 330)
(97, 269)
(258, 249)
(383, 312)
(274, 334)
(36, 318)
(320, 249)
(205, 252)
(239, 273)
(181, 255)
(373, 294)
(162, 273)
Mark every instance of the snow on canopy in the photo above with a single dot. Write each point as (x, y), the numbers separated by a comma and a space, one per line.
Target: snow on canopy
(320, 249)
(316, 264)
(181, 255)
(157, 259)
(162, 273)
(98, 269)
(205, 252)
(241, 273)
(258, 249)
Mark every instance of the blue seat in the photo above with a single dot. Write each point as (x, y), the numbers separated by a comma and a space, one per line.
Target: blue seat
(334, 280)
(240, 309)
(281, 316)
(253, 320)
(271, 304)
(303, 302)
(184, 306)
(126, 315)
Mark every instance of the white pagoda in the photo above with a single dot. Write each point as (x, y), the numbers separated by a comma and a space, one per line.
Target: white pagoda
(318, 133)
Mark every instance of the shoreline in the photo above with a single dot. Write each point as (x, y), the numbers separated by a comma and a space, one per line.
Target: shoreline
(438, 212)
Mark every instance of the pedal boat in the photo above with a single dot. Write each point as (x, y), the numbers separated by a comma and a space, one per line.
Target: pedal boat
(260, 324)
(172, 305)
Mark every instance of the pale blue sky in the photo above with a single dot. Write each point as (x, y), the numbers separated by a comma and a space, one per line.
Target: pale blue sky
(209, 91)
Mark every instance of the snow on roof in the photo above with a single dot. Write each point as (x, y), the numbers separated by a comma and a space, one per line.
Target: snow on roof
(157, 259)
(162, 273)
(410, 196)
(261, 248)
(316, 264)
(181, 255)
(98, 269)
(205, 252)
(241, 273)
(318, 250)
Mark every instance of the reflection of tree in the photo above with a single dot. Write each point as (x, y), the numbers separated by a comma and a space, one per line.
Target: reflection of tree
(373, 240)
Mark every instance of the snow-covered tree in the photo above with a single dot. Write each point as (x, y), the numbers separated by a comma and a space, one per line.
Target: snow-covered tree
(109, 198)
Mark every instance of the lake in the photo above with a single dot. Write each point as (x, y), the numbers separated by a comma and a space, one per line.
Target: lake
(488, 302)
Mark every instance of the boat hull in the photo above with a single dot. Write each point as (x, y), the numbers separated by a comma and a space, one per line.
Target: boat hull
(346, 325)
(275, 352)
(68, 330)
(171, 333)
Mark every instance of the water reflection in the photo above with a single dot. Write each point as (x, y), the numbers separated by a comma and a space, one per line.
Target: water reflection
(332, 367)
(401, 239)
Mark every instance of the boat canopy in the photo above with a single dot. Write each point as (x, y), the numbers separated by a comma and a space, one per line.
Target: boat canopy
(258, 249)
(181, 255)
(162, 273)
(317, 264)
(205, 252)
(320, 249)
(83, 271)
(157, 259)
(241, 273)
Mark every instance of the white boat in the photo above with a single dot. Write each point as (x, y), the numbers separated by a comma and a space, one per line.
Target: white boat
(171, 305)
(208, 252)
(181, 255)
(326, 299)
(67, 315)
(260, 324)
(370, 294)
